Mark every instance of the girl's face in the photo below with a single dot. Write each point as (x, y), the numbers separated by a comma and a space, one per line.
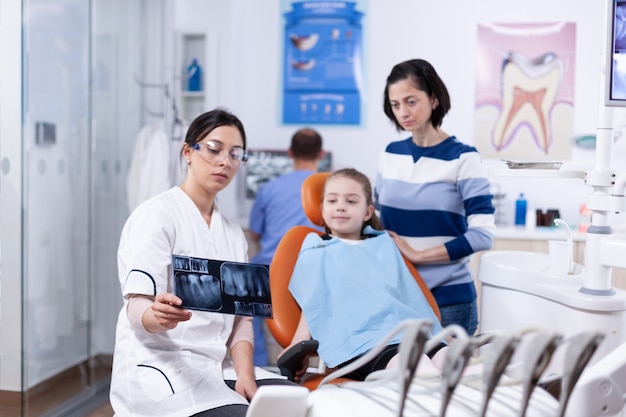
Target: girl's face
(411, 107)
(345, 207)
(211, 164)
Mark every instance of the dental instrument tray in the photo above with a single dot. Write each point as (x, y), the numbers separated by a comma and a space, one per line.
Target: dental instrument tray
(533, 164)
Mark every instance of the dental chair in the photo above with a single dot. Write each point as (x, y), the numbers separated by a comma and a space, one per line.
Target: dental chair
(402, 392)
(285, 310)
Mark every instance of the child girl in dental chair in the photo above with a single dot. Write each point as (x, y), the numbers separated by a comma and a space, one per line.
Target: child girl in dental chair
(352, 283)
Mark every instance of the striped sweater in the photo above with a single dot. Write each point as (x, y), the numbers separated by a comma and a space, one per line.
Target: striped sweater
(438, 195)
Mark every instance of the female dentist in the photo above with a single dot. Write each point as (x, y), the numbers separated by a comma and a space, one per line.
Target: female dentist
(169, 361)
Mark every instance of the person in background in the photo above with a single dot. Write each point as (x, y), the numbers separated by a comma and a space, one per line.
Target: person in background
(431, 192)
(169, 361)
(278, 207)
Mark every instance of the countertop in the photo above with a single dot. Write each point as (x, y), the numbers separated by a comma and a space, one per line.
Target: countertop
(549, 233)
(536, 233)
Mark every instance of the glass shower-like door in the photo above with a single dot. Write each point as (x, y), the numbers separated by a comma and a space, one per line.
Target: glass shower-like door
(80, 111)
(57, 195)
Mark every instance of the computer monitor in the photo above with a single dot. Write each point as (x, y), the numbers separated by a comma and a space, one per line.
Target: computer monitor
(266, 164)
(615, 89)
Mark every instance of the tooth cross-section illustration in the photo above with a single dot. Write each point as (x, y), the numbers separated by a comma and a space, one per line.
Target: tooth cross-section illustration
(529, 88)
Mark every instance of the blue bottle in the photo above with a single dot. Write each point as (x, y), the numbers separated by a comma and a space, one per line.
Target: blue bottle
(520, 210)
(195, 80)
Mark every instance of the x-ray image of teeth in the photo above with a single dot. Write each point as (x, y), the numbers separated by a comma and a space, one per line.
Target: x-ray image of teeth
(262, 310)
(199, 265)
(529, 89)
(182, 263)
(222, 286)
(244, 308)
(620, 26)
(619, 57)
(619, 77)
(201, 291)
(240, 280)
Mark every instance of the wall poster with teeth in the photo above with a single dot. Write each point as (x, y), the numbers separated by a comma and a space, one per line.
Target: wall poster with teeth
(322, 62)
(524, 107)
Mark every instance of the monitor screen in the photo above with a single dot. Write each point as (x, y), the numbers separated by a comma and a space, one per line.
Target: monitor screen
(615, 91)
(266, 164)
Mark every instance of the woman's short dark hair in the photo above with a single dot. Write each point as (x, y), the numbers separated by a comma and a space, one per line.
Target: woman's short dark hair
(426, 79)
(209, 121)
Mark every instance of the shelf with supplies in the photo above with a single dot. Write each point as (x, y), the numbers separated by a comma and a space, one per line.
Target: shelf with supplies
(191, 86)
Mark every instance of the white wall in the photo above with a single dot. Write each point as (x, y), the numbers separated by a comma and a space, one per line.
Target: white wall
(442, 32)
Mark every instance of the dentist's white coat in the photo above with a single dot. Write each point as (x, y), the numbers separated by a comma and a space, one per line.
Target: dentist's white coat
(179, 372)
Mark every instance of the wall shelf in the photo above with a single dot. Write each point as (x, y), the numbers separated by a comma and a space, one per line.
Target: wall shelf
(537, 173)
(190, 46)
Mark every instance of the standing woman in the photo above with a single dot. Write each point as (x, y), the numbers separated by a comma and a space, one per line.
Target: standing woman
(169, 361)
(431, 192)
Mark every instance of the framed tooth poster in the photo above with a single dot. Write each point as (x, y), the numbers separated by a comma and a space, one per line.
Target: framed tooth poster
(524, 105)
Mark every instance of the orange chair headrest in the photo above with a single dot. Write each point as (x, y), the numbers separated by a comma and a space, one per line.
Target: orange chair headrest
(312, 190)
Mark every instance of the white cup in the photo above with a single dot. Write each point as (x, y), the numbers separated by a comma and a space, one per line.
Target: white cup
(559, 257)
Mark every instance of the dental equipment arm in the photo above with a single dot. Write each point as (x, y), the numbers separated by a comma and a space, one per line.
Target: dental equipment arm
(536, 361)
(410, 352)
(408, 323)
(601, 389)
(457, 357)
(502, 350)
(579, 352)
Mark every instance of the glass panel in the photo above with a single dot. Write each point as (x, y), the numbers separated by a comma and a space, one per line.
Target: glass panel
(115, 98)
(57, 195)
(74, 202)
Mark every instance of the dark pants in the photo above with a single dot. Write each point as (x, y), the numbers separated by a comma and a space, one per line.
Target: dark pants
(239, 410)
(465, 315)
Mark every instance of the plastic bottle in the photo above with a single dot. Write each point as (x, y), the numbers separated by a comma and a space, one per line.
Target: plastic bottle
(520, 210)
(195, 79)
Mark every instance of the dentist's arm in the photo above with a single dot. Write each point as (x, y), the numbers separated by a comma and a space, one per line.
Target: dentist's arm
(241, 346)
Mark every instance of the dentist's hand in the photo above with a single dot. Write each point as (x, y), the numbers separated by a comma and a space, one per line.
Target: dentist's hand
(165, 313)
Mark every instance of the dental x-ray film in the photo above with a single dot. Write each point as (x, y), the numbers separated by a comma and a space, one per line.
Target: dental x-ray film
(222, 286)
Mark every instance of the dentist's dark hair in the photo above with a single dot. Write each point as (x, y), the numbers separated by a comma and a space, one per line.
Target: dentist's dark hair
(209, 121)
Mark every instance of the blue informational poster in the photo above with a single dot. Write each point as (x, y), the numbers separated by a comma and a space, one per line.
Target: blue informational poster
(322, 63)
